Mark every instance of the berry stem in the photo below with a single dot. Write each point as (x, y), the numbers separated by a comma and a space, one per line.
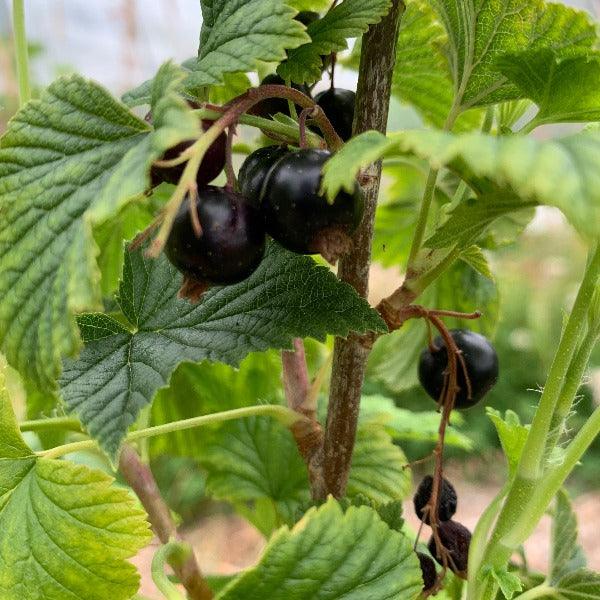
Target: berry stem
(231, 179)
(350, 355)
(21, 51)
(171, 552)
(307, 113)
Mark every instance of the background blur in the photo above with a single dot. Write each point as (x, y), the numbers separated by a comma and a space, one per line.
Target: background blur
(120, 43)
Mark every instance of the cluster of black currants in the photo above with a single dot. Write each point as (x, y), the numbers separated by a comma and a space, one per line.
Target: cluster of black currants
(454, 537)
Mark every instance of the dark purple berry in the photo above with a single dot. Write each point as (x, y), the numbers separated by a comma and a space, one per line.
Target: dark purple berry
(481, 363)
(338, 106)
(232, 242)
(447, 499)
(271, 106)
(456, 539)
(298, 216)
(306, 17)
(254, 170)
(210, 167)
(428, 571)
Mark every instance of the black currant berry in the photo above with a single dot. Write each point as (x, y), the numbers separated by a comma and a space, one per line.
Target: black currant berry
(428, 571)
(210, 167)
(254, 170)
(232, 242)
(299, 217)
(338, 106)
(271, 106)
(481, 363)
(446, 501)
(456, 538)
(306, 17)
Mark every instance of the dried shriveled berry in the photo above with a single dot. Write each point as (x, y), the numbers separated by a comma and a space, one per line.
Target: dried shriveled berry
(456, 539)
(428, 571)
(232, 242)
(447, 499)
(480, 359)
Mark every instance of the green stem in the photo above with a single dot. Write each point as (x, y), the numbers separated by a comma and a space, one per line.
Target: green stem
(570, 388)
(21, 51)
(67, 423)
(531, 463)
(173, 551)
(281, 413)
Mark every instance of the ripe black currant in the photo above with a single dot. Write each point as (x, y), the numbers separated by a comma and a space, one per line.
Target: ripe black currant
(446, 499)
(299, 217)
(481, 363)
(232, 242)
(212, 163)
(254, 170)
(428, 571)
(456, 538)
(306, 17)
(338, 106)
(271, 106)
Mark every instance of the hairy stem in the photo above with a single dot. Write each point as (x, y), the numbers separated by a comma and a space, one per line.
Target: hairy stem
(140, 478)
(65, 423)
(21, 51)
(307, 433)
(350, 356)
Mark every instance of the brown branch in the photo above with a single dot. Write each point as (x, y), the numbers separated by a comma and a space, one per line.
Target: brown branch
(140, 478)
(307, 433)
(350, 356)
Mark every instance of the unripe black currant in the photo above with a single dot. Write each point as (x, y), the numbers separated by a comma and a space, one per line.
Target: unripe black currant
(232, 242)
(481, 363)
(210, 167)
(447, 499)
(338, 106)
(428, 571)
(299, 217)
(456, 539)
(254, 170)
(271, 106)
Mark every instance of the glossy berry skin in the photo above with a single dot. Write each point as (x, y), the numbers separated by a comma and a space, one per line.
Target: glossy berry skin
(295, 213)
(428, 571)
(271, 106)
(456, 538)
(306, 17)
(210, 167)
(480, 359)
(338, 106)
(254, 170)
(232, 242)
(447, 499)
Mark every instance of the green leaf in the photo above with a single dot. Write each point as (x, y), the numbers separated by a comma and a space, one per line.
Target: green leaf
(476, 259)
(254, 463)
(478, 39)
(422, 75)
(65, 531)
(567, 555)
(237, 34)
(403, 424)
(349, 19)
(578, 585)
(565, 90)
(315, 5)
(332, 555)
(508, 582)
(378, 467)
(562, 173)
(122, 367)
(512, 436)
(200, 389)
(69, 160)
